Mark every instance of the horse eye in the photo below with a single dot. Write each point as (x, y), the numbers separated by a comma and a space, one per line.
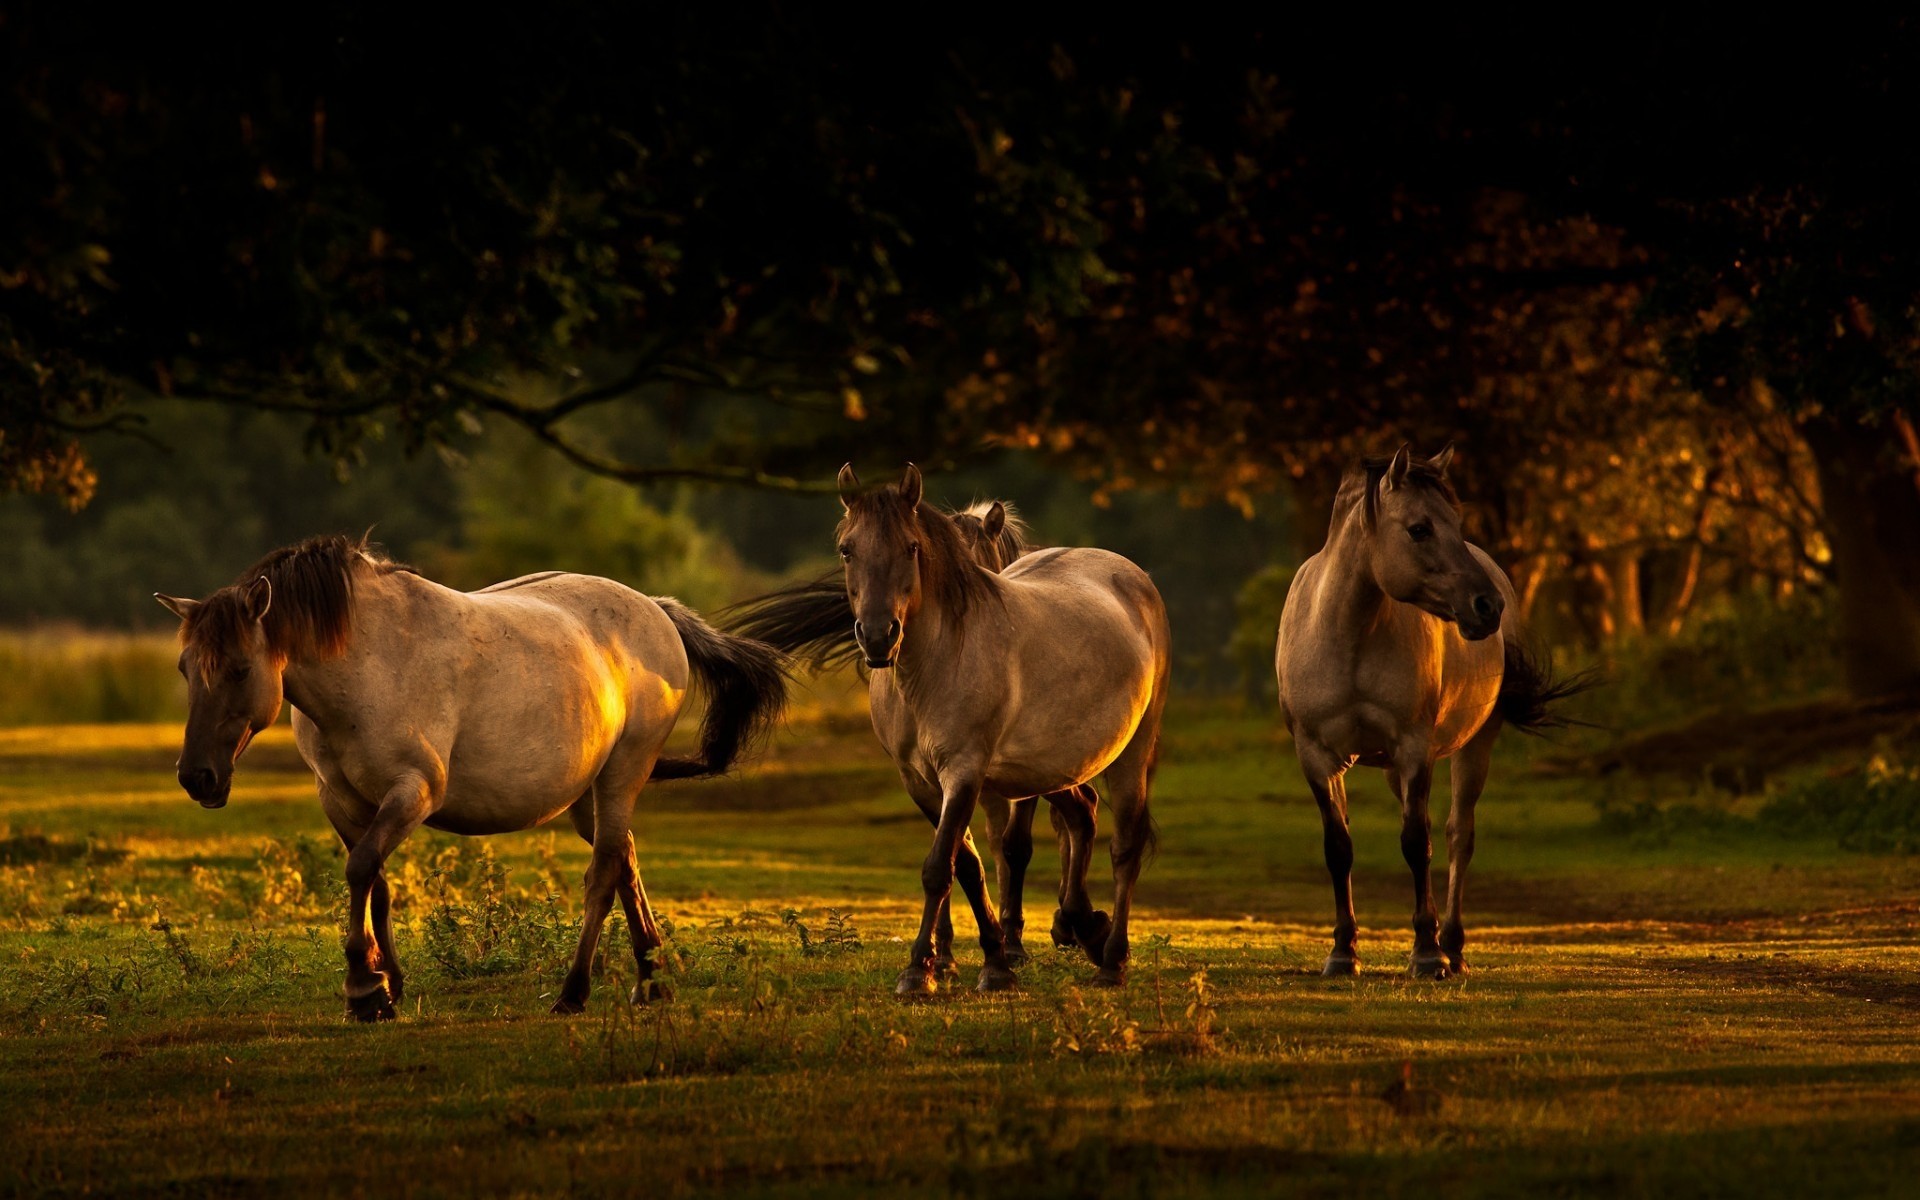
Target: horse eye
(1420, 533)
(846, 552)
(914, 549)
(240, 672)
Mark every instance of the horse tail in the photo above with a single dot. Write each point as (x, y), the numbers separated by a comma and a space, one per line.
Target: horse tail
(746, 685)
(810, 621)
(1531, 691)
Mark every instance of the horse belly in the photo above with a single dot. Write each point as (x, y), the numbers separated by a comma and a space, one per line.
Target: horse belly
(519, 764)
(1042, 752)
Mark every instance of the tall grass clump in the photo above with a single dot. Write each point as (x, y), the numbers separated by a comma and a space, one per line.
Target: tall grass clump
(59, 677)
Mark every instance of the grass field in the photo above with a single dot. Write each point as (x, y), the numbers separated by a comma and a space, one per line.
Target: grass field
(1698, 1013)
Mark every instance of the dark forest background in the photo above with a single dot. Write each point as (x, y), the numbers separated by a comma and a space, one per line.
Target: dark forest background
(618, 289)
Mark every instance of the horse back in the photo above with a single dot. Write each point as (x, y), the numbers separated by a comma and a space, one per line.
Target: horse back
(1092, 593)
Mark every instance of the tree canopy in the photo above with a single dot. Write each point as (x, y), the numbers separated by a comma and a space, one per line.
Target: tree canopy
(1221, 258)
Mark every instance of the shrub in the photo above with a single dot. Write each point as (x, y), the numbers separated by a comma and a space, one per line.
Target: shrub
(1875, 810)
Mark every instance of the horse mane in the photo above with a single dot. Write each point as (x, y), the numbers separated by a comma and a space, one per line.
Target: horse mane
(1012, 541)
(311, 611)
(1361, 484)
(948, 568)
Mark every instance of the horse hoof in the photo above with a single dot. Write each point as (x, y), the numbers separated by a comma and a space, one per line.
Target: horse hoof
(944, 967)
(395, 987)
(374, 1006)
(567, 1007)
(916, 983)
(1092, 931)
(996, 979)
(1340, 965)
(1457, 966)
(1111, 977)
(1062, 931)
(1424, 967)
(1017, 955)
(649, 990)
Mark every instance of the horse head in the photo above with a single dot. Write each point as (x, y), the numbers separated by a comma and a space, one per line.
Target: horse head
(1419, 555)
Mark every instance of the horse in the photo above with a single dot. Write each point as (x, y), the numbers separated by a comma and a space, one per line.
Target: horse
(471, 712)
(1019, 684)
(809, 620)
(1397, 648)
(994, 532)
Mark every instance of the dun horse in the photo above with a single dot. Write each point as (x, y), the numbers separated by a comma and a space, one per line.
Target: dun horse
(1397, 649)
(1015, 685)
(475, 713)
(997, 536)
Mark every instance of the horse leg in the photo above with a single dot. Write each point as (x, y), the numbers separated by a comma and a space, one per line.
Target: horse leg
(379, 901)
(1130, 780)
(1412, 782)
(927, 798)
(642, 930)
(1326, 777)
(1469, 778)
(407, 803)
(1076, 922)
(610, 872)
(1010, 831)
(937, 874)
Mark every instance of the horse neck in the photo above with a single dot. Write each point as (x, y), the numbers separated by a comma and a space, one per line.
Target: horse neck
(1354, 602)
(929, 653)
(324, 689)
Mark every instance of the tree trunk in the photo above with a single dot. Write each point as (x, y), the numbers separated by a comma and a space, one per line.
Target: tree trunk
(1872, 509)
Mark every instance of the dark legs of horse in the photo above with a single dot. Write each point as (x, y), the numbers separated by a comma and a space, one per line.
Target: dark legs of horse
(373, 977)
(379, 901)
(1469, 779)
(642, 930)
(1326, 777)
(612, 872)
(943, 964)
(1010, 832)
(1076, 922)
(1412, 783)
(1129, 781)
(937, 874)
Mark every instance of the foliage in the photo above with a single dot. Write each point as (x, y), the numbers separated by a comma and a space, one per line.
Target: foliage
(1875, 809)
(1746, 649)
(477, 925)
(522, 509)
(1257, 607)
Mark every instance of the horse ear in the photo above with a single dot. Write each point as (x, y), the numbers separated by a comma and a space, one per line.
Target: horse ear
(1441, 461)
(996, 520)
(176, 605)
(259, 597)
(849, 485)
(1397, 469)
(911, 486)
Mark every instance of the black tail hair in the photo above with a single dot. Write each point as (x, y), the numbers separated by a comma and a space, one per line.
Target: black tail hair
(810, 621)
(746, 685)
(1530, 691)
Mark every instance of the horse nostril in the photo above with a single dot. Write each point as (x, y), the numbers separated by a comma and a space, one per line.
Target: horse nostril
(893, 630)
(1483, 606)
(859, 631)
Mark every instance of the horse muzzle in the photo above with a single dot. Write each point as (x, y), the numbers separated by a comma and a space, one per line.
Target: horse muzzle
(878, 653)
(1479, 618)
(205, 787)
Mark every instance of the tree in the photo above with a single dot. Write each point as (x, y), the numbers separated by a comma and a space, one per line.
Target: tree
(1213, 258)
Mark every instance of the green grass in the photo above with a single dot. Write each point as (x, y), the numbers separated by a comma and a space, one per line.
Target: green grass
(1706, 1011)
